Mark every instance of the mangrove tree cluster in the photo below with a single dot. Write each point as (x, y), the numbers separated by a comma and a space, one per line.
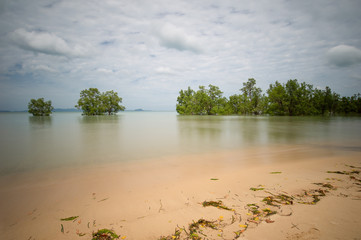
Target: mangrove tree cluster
(291, 98)
(40, 107)
(93, 102)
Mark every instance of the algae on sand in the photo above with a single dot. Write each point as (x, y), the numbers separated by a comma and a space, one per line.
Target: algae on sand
(217, 204)
(105, 234)
(69, 218)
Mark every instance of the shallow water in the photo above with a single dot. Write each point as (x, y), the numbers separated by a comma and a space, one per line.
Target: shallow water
(70, 139)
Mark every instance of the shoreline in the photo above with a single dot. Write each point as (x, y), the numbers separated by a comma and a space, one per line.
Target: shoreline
(149, 199)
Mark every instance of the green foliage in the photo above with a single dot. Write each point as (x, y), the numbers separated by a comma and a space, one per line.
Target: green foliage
(203, 102)
(111, 100)
(92, 102)
(39, 107)
(252, 97)
(291, 98)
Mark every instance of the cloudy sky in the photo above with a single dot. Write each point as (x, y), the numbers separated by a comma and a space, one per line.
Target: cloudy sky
(148, 50)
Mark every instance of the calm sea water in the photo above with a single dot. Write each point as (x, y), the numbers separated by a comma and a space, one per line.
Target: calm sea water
(70, 139)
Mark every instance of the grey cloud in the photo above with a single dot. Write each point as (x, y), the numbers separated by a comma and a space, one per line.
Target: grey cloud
(47, 43)
(344, 56)
(44, 68)
(171, 36)
(114, 44)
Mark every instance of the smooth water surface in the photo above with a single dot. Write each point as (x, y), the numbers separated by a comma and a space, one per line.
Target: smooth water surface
(70, 139)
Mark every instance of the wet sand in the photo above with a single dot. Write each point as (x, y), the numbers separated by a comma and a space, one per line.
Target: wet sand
(149, 199)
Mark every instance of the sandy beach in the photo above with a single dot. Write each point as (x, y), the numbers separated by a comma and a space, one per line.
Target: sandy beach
(154, 198)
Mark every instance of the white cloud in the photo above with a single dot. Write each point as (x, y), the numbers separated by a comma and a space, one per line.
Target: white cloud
(47, 43)
(104, 70)
(164, 70)
(171, 36)
(344, 56)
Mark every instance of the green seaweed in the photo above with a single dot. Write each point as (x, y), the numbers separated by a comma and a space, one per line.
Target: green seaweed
(69, 218)
(214, 179)
(268, 212)
(194, 228)
(253, 208)
(81, 234)
(356, 179)
(345, 172)
(239, 232)
(326, 185)
(217, 204)
(316, 196)
(176, 235)
(103, 200)
(275, 172)
(105, 234)
(352, 166)
(281, 199)
(256, 189)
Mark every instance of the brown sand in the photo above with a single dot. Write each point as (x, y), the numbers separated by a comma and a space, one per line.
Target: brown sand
(146, 200)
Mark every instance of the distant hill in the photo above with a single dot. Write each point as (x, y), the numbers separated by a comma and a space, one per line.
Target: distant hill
(138, 110)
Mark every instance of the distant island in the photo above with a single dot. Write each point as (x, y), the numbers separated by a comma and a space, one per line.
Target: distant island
(66, 110)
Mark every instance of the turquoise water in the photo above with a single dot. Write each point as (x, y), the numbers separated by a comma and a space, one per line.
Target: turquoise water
(70, 139)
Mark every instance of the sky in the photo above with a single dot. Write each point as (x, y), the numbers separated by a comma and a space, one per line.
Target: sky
(148, 50)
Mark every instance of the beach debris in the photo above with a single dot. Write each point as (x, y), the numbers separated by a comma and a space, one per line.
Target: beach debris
(294, 226)
(80, 234)
(335, 179)
(256, 189)
(193, 227)
(175, 236)
(196, 230)
(33, 211)
(326, 185)
(105, 234)
(257, 214)
(345, 172)
(314, 194)
(352, 166)
(69, 218)
(280, 198)
(356, 179)
(161, 206)
(103, 199)
(252, 207)
(268, 212)
(217, 204)
(239, 232)
(275, 172)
